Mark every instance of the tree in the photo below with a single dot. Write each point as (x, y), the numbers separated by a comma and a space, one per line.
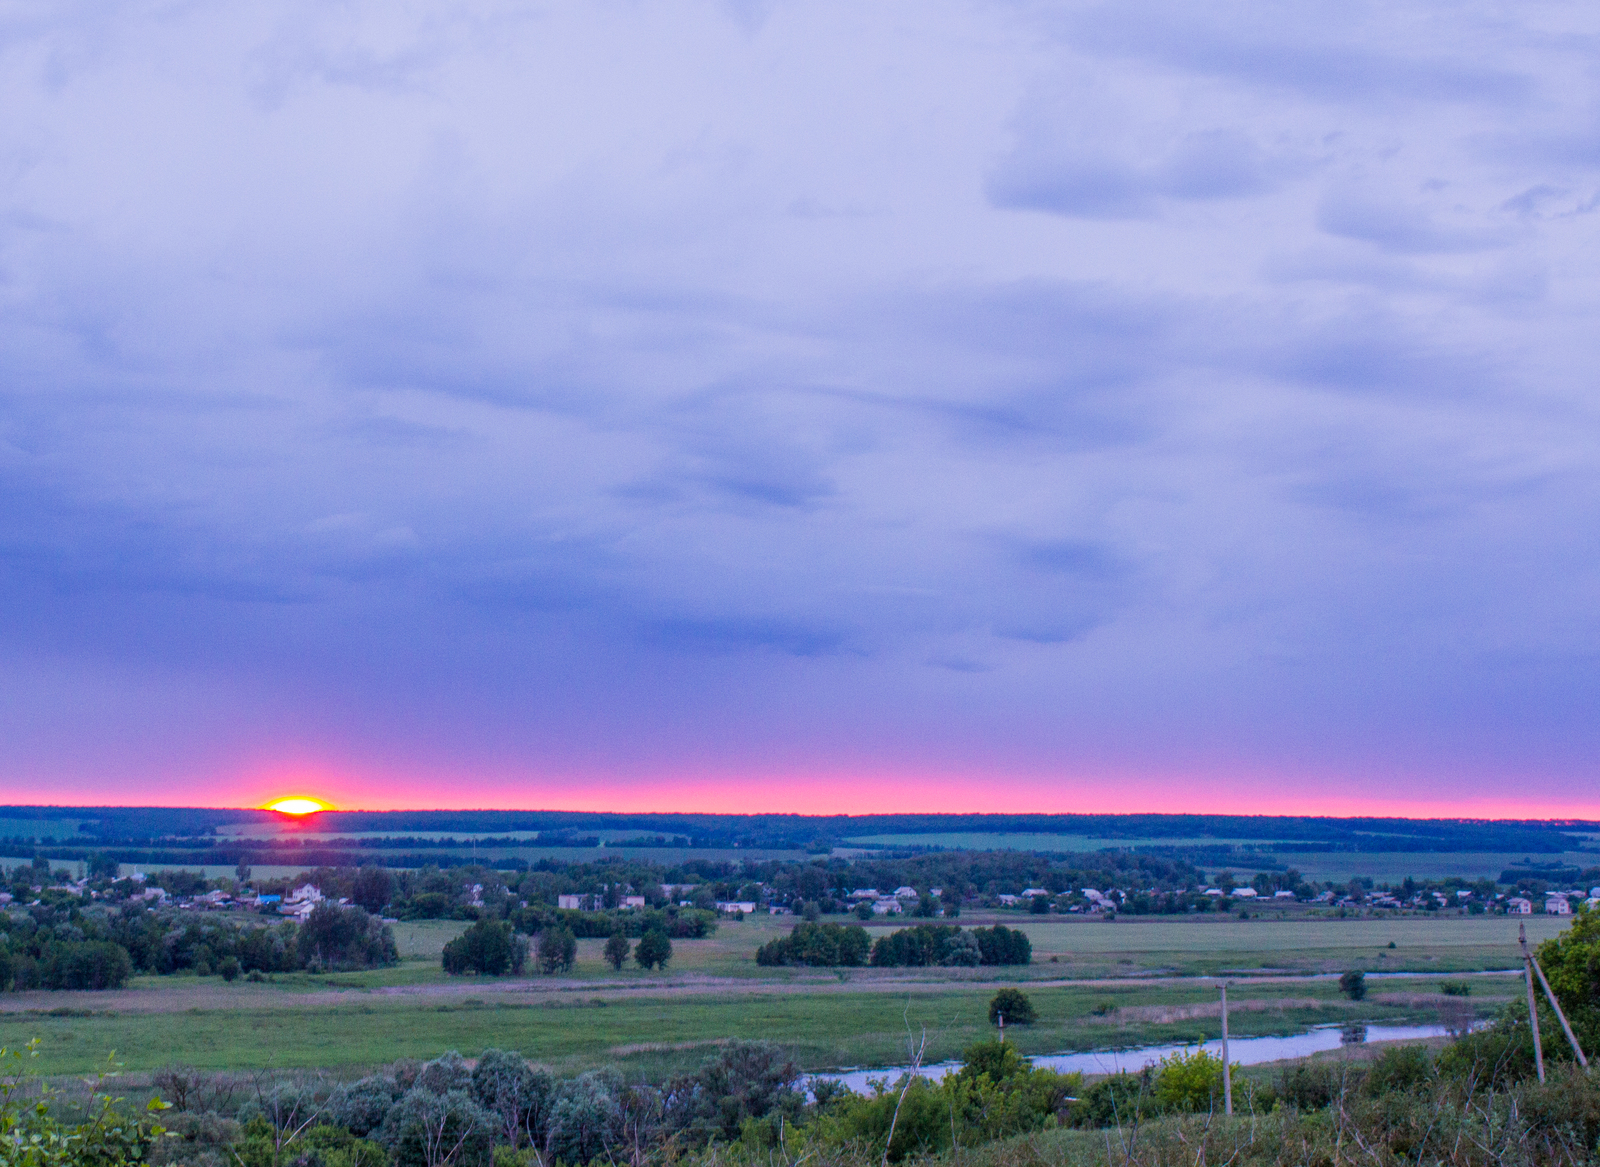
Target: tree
(863, 911)
(373, 888)
(616, 950)
(653, 951)
(241, 872)
(558, 949)
(489, 947)
(1571, 963)
(229, 968)
(517, 1095)
(103, 866)
(1014, 1006)
(337, 938)
(1353, 984)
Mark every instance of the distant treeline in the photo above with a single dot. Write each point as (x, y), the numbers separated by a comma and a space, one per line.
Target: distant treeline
(1292, 834)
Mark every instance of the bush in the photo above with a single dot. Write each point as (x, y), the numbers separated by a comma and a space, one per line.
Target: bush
(1401, 1067)
(489, 948)
(1189, 1082)
(742, 1081)
(1014, 1006)
(516, 1094)
(360, 1107)
(424, 1129)
(616, 951)
(1353, 984)
(586, 1118)
(1455, 988)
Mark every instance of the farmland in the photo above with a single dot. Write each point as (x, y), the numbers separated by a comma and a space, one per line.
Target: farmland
(1110, 984)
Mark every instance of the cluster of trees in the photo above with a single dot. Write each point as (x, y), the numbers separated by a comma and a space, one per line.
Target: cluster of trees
(929, 945)
(64, 947)
(819, 946)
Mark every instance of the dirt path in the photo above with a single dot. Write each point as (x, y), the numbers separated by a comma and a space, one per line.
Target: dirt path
(218, 996)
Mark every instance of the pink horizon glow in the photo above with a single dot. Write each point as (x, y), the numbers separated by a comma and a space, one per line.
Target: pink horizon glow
(848, 793)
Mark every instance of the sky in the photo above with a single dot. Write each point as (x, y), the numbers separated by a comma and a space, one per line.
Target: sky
(752, 406)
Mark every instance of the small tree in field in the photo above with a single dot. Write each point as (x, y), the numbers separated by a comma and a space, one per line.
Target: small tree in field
(558, 949)
(1353, 984)
(653, 950)
(616, 950)
(1014, 1006)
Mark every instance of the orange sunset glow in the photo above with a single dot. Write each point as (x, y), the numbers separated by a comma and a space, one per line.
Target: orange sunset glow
(298, 805)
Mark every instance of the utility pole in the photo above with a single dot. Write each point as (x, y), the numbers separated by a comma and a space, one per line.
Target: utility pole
(1533, 963)
(1227, 1072)
(1533, 1013)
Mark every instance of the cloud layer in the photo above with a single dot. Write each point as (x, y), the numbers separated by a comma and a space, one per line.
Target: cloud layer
(1104, 407)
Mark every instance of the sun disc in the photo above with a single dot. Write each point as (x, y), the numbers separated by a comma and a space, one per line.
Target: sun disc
(297, 805)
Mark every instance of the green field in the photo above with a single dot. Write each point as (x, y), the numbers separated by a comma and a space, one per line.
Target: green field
(650, 1023)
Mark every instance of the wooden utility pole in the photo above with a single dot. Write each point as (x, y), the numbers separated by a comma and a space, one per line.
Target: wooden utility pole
(1533, 1012)
(1533, 963)
(1227, 1073)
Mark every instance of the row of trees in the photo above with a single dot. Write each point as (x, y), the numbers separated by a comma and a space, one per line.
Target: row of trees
(66, 948)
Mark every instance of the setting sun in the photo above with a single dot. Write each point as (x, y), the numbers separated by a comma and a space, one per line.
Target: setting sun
(298, 806)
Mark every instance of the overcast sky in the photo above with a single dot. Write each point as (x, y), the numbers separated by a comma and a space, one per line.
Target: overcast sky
(802, 406)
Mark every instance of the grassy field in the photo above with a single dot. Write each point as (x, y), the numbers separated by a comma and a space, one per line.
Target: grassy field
(651, 1023)
(654, 1032)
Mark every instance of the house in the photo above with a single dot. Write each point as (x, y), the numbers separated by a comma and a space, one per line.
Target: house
(1558, 906)
(936, 892)
(1030, 892)
(580, 903)
(1517, 906)
(633, 902)
(1283, 895)
(1245, 893)
(742, 907)
(268, 901)
(905, 893)
(1594, 893)
(888, 906)
(1213, 891)
(1008, 901)
(1324, 898)
(864, 893)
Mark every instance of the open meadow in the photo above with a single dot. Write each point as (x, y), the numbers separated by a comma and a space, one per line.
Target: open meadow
(1096, 985)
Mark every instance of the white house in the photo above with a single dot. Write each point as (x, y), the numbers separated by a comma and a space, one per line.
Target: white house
(579, 903)
(905, 893)
(1030, 892)
(1010, 900)
(1244, 893)
(1283, 895)
(1517, 906)
(1213, 891)
(731, 906)
(1558, 906)
(633, 901)
(864, 893)
(888, 906)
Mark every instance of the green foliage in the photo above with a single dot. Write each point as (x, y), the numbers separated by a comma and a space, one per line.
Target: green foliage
(1014, 1006)
(930, 945)
(819, 946)
(1353, 984)
(742, 1081)
(338, 938)
(32, 1134)
(1189, 1082)
(1401, 1067)
(558, 950)
(489, 947)
(616, 950)
(1571, 963)
(653, 950)
(1455, 988)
